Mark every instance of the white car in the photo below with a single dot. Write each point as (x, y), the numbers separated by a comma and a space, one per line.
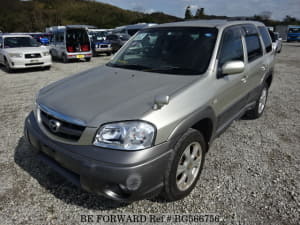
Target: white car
(22, 51)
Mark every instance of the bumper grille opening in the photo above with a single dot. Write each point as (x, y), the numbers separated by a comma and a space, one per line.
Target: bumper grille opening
(33, 56)
(66, 130)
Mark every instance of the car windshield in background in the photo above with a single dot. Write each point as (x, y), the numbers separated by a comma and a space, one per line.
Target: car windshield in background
(294, 30)
(98, 36)
(19, 42)
(184, 51)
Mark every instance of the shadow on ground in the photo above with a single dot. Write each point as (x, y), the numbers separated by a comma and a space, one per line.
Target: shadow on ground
(25, 157)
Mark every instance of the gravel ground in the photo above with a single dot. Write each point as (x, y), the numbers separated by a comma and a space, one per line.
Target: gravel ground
(251, 174)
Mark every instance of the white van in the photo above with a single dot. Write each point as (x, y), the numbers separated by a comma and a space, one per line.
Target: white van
(70, 43)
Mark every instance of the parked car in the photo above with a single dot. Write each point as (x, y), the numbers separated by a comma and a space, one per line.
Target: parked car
(99, 43)
(19, 51)
(42, 38)
(132, 28)
(142, 124)
(293, 33)
(117, 40)
(70, 43)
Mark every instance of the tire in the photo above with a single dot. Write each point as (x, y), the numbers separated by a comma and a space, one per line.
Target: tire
(95, 54)
(65, 59)
(88, 59)
(181, 177)
(108, 53)
(260, 105)
(47, 67)
(8, 69)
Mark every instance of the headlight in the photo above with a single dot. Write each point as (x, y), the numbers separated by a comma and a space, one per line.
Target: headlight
(15, 55)
(46, 53)
(130, 135)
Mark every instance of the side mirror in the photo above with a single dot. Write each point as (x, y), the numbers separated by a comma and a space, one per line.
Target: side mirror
(0, 45)
(233, 67)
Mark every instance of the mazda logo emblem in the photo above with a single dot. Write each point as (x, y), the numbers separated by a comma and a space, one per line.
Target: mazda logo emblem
(54, 125)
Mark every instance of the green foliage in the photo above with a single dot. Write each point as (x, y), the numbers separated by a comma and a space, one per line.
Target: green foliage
(188, 13)
(36, 15)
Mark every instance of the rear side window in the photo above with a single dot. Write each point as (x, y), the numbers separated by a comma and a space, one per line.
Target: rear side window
(254, 48)
(266, 38)
(232, 46)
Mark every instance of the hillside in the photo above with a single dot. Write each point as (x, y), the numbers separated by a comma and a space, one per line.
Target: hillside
(35, 15)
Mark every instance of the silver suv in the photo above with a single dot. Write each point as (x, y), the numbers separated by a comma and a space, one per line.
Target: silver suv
(142, 124)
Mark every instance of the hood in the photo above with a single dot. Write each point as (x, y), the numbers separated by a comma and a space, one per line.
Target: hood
(26, 50)
(105, 94)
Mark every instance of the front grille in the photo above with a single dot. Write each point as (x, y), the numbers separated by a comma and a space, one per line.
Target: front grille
(104, 46)
(66, 130)
(33, 55)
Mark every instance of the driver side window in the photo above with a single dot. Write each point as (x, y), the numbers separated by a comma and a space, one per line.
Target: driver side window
(232, 46)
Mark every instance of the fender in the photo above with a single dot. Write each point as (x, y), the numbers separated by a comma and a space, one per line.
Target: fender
(194, 118)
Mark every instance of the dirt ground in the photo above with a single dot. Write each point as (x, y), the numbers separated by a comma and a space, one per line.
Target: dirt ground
(251, 174)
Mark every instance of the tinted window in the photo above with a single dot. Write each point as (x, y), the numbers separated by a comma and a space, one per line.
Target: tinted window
(266, 38)
(254, 49)
(17, 42)
(232, 46)
(183, 51)
(77, 36)
(294, 30)
(112, 37)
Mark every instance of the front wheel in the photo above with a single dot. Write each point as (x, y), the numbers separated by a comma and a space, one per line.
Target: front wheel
(8, 69)
(185, 166)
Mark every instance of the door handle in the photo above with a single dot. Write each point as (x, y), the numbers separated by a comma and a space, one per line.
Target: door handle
(244, 79)
(263, 68)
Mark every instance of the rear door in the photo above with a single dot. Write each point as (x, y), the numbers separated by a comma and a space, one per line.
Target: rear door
(256, 66)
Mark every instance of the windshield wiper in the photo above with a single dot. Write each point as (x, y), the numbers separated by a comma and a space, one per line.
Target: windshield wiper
(129, 66)
(174, 69)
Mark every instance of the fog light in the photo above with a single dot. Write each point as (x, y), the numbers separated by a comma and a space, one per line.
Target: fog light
(133, 182)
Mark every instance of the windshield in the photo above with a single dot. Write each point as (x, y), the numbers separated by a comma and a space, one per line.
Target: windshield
(18, 42)
(98, 35)
(184, 51)
(294, 30)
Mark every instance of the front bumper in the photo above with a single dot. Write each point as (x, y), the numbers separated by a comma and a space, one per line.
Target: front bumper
(121, 175)
(21, 63)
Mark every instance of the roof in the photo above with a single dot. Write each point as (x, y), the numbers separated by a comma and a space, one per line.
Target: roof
(208, 23)
(15, 35)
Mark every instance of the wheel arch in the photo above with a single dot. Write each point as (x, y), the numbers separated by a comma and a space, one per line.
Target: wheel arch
(203, 120)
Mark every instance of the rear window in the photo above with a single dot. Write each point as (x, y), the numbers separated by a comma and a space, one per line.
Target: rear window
(254, 48)
(77, 36)
(266, 38)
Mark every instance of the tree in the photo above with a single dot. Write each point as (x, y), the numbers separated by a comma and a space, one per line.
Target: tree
(188, 13)
(199, 13)
(265, 15)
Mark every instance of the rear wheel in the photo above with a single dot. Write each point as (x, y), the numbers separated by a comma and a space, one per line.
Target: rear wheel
(65, 58)
(260, 105)
(88, 59)
(185, 166)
